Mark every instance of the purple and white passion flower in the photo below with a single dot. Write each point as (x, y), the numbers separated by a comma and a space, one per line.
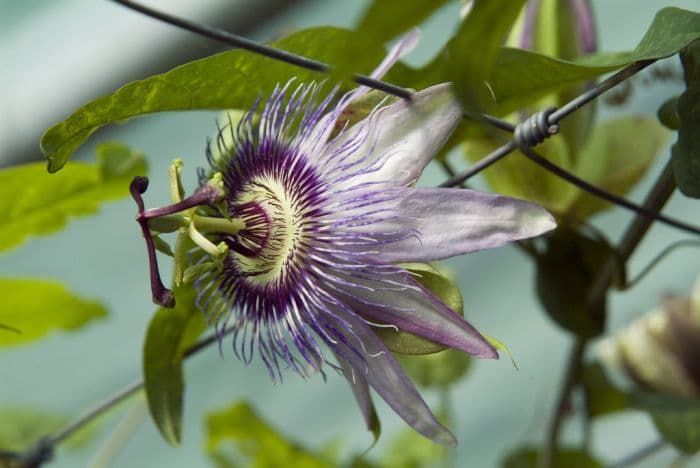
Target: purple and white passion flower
(328, 217)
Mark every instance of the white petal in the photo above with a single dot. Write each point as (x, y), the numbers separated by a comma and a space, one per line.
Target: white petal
(396, 142)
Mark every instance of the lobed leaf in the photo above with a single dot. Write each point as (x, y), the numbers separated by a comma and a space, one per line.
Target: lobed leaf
(32, 308)
(21, 427)
(229, 80)
(170, 333)
(36, 203)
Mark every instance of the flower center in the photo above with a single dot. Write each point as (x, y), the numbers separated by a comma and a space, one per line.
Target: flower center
(269, 247)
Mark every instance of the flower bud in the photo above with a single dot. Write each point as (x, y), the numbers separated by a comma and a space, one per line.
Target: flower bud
(660, 352)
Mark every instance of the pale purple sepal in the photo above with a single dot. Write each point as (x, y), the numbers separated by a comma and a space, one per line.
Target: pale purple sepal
(410, 307)
(366, 353)
(449, 222)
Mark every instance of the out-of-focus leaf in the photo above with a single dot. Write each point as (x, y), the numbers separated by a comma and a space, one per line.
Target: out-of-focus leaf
(229, 80)
(32, 308)
(438, 370)
(676, 418)
(526, 457)
(565, 273)
(668, 114)
(680, 428)
(615, 157)
(440, 285)
(686, 151)
(259, 444)
(385, 19)
(408, 449)
(602, 397)
(36, 203)
(21, 427)
(514, 175)
(169, 334)
(468, 58)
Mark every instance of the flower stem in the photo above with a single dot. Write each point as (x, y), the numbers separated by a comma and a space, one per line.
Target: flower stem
(656, 199)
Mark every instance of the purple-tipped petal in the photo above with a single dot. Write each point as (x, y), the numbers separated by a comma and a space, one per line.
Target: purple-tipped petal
(403, 137)
(401, 301)
(360, 347)
(449, 222)
(360, 388)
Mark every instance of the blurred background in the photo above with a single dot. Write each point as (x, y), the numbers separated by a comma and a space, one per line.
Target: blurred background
(57, 55)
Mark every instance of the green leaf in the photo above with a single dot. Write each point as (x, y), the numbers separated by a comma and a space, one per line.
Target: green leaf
(439, 370)
(258, 443)
(602, 397)
(565, 274)
(520, 77)
(169, 334)
(677, 418)
(411, 450)
(32, 308)
(527, 457)
(686, 151)
(440, 285)
(229, 80)
(469, 57)
(21, 427)
(513, 176)
(36, 203)
(385, 19)
(615, 157)
(680, 428)
(668, 114)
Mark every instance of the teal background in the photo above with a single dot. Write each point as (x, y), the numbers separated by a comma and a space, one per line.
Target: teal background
(103, 257)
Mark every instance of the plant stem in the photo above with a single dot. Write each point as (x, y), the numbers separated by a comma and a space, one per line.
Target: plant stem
(573, 368)
(654, 201)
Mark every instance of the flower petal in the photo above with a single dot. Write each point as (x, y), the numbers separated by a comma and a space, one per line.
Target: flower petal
(397, 299)
(360, 388)
(449, 222)
(368, 356)
(395, 142)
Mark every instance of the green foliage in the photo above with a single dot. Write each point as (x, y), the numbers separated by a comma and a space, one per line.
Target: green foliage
(676, 418)
(468, 58)
(31, 309)
(410, 450)
(513, 175)
(211, 83)
(169, 334)
(520, 77)
(565, 274)
(385, 19)
(36, 203)
(615, 157)
(526, 457)
(443, 287)
(602, 397)
(438, 370)
(258, 443)
(686, 151)
(668, 114)
(21, 427)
